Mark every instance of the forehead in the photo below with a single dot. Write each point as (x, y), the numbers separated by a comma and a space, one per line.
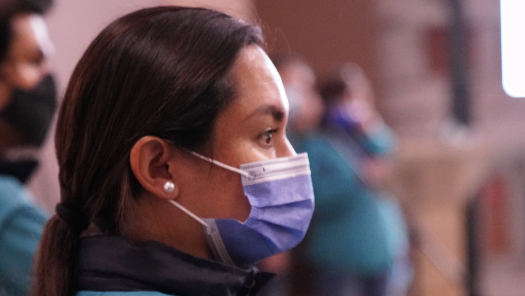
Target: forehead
(30, 34)
(257, 82)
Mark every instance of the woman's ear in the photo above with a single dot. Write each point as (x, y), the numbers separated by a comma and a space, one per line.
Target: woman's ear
(150, 161)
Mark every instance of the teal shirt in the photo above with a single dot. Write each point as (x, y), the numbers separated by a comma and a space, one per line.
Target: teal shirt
(348, 231)
(20, 231)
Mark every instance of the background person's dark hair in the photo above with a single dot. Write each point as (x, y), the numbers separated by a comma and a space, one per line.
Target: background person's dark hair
(342, 80)
(9, 9)
(161, 71)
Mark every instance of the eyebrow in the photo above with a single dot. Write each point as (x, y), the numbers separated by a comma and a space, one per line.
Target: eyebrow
(272, 110)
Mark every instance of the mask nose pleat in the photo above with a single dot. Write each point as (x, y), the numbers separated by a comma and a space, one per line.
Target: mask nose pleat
(280, 192)
(290, 217)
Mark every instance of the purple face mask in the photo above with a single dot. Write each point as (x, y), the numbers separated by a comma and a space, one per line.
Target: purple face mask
(281, 196)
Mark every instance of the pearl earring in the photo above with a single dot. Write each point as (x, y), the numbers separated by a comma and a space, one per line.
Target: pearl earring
(169, 187)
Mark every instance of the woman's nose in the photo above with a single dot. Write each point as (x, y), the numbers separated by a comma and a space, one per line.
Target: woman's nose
(286, 149)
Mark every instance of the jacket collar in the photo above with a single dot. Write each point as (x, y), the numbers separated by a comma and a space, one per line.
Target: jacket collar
(111, 263)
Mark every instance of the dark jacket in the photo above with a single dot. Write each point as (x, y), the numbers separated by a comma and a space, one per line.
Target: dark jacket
(114, 264)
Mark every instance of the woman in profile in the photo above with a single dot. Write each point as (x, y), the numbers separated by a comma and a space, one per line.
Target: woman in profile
(175, 171)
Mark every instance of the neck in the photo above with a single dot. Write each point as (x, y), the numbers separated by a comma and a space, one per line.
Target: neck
(156, 219)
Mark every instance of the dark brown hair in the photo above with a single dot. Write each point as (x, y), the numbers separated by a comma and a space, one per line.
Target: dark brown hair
(342, 79)
(160, 71)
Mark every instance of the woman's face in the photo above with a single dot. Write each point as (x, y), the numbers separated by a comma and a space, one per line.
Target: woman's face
(252, 128)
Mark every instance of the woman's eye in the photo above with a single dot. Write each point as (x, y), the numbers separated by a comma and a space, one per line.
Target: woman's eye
(267, 136)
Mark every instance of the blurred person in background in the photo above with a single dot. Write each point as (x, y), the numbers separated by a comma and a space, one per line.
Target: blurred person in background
(358, 241)
(306, 107)
(27, 106)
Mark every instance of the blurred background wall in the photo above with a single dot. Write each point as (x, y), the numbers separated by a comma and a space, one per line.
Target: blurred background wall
(404, 46)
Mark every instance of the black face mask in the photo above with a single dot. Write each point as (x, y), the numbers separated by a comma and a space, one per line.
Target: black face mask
(31, 112)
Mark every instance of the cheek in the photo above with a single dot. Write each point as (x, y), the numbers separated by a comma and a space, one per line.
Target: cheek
(241, 208)
(226, 198)
(23, 75)
(28, 75)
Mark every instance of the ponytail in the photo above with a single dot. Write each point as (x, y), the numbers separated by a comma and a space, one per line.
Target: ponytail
(55, 261)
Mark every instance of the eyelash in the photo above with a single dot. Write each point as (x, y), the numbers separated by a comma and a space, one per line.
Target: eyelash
(267, 136)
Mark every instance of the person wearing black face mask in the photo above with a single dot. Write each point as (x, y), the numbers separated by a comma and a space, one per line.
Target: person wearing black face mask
(27, 106)
(30, 112)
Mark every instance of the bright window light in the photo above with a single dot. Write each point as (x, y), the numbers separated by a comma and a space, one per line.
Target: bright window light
(513, 47)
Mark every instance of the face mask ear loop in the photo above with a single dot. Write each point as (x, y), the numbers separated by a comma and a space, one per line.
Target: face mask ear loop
(189, 213)
(218, 248)
(222, 165)
(217, 245)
